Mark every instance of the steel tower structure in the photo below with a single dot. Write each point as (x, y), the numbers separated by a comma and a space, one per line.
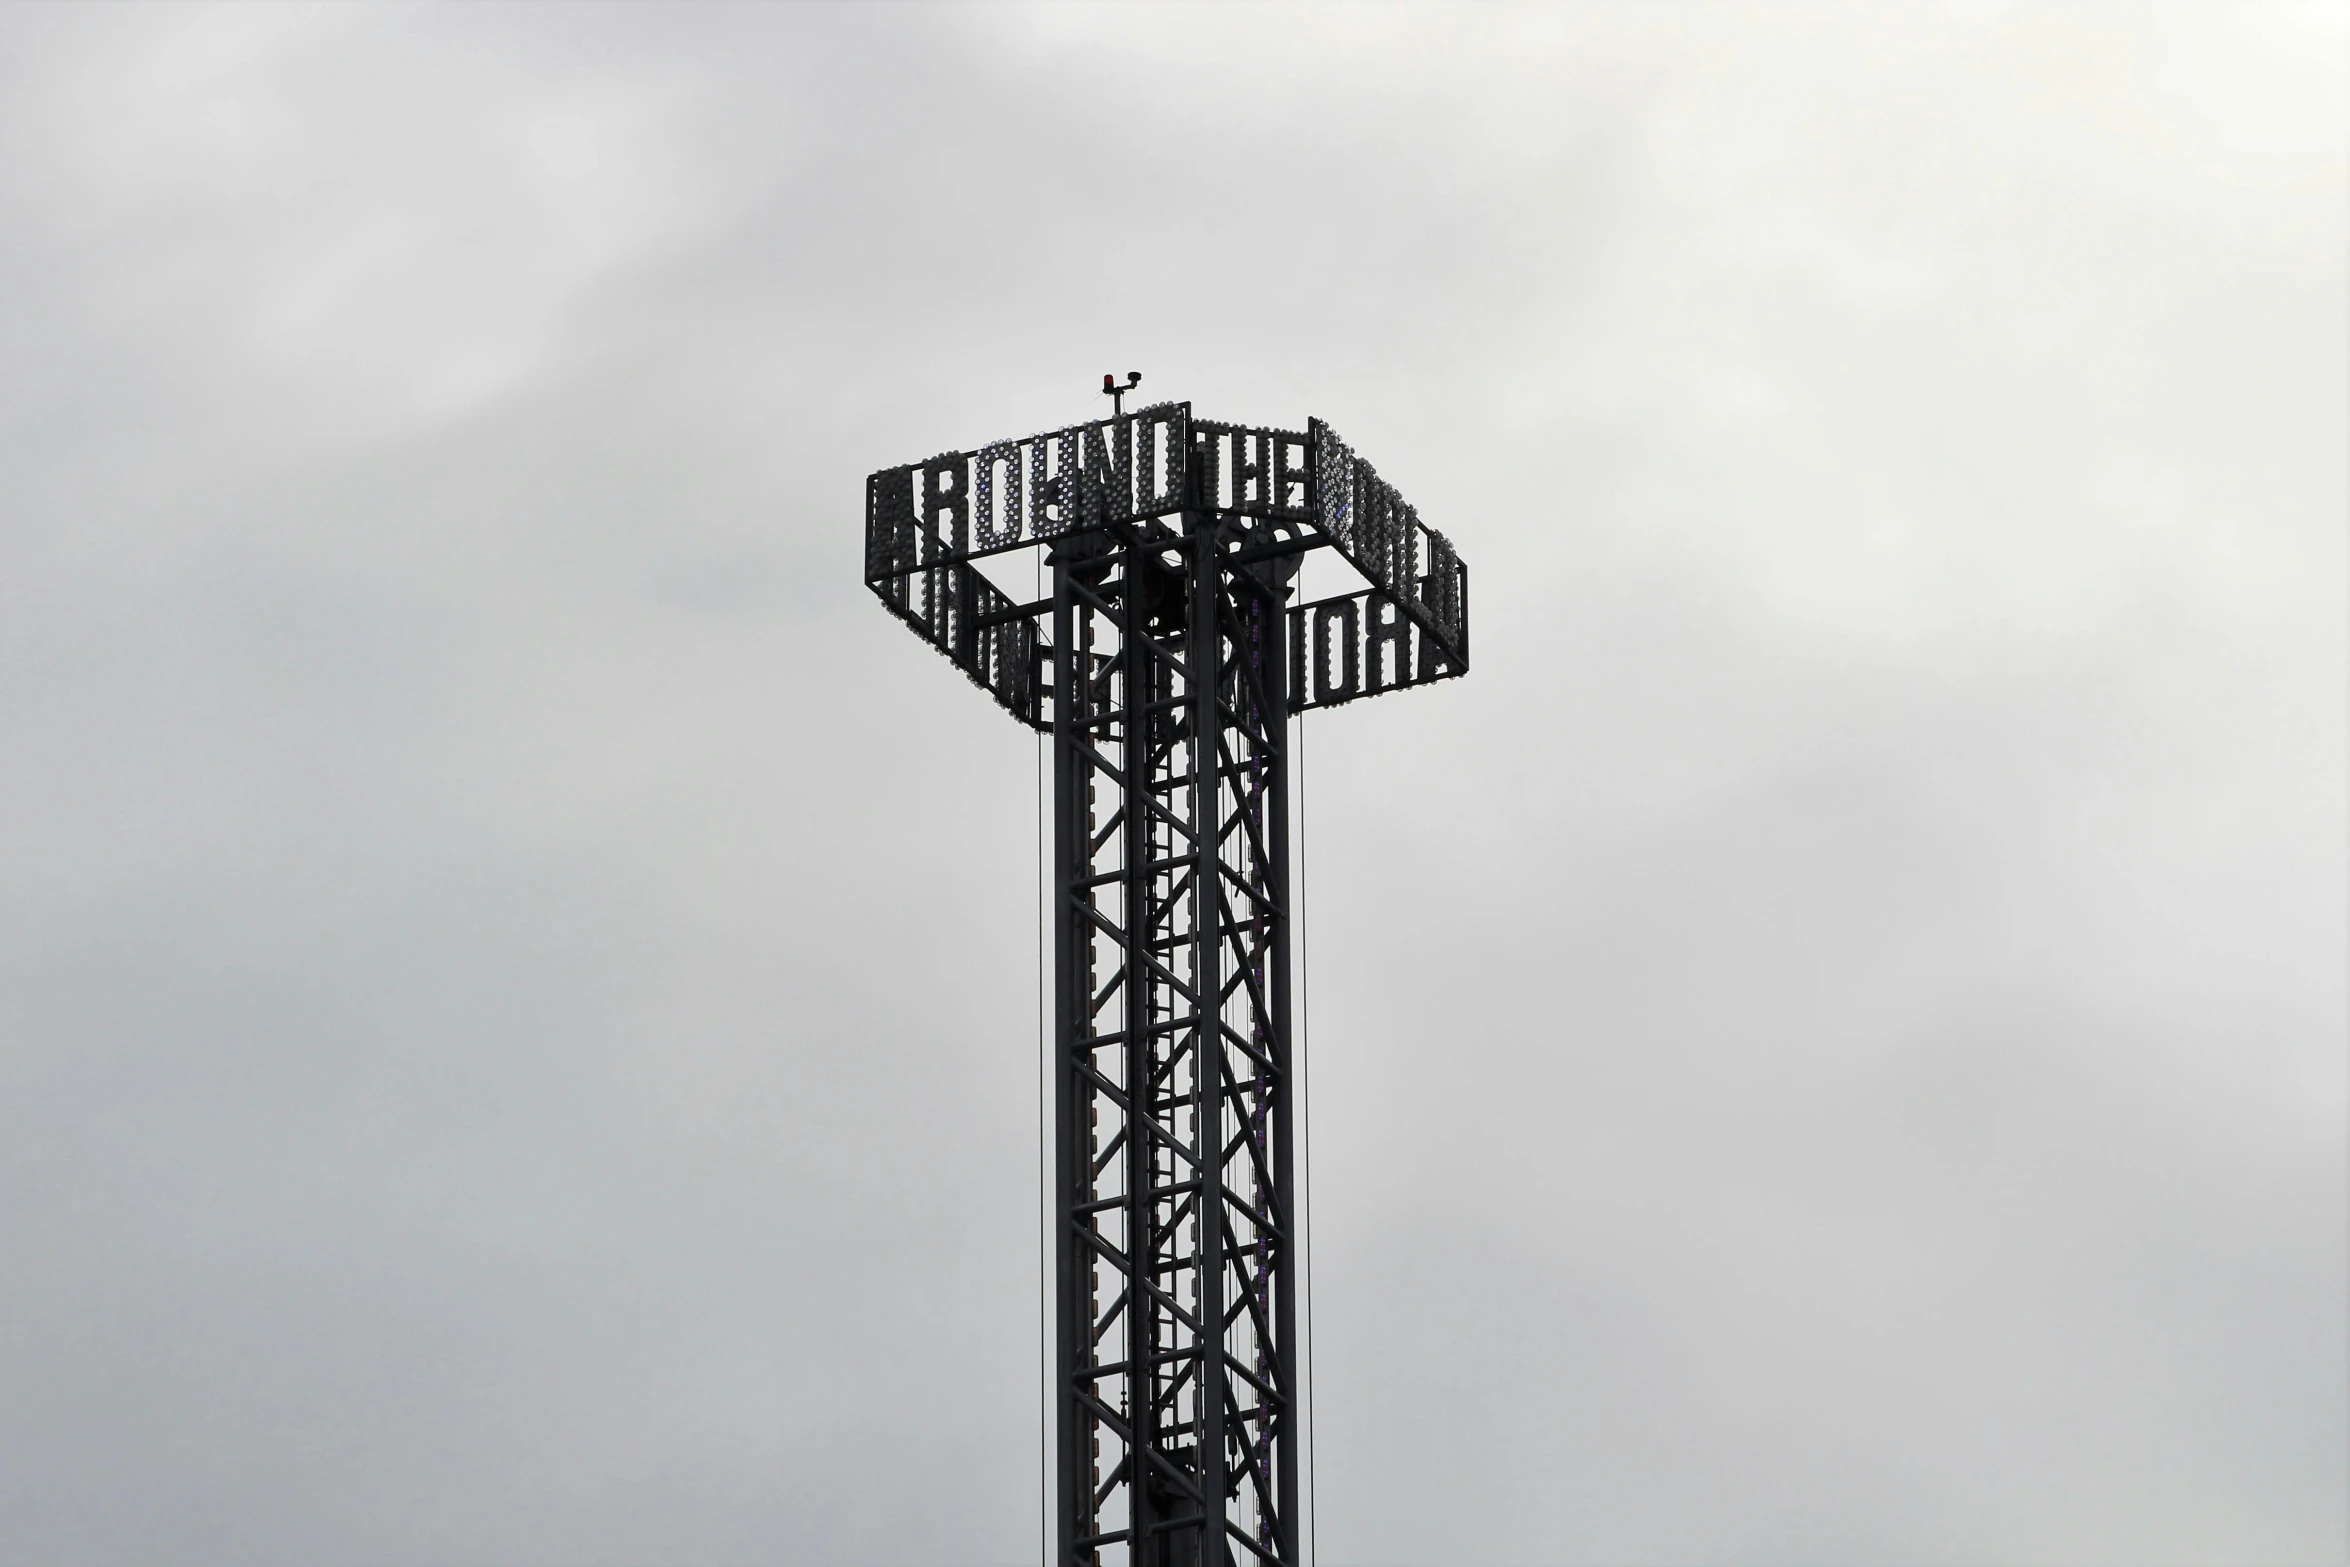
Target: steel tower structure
(1165, 663)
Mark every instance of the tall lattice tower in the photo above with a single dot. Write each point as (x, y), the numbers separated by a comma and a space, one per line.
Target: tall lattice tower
(1166, 663)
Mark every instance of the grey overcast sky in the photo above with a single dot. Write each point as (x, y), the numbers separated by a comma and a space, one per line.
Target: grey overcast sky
(517, 977)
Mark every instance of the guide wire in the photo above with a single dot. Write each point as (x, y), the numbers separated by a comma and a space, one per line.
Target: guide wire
(1303, 1122)
(1044, 1223)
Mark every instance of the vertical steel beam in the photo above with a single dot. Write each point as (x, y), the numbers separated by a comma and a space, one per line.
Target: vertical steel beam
(1203, 653)
(1072, 1467)
(1138, 691)
(1274, 665)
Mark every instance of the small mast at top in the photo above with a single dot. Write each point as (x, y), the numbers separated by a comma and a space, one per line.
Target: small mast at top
(1116, 393)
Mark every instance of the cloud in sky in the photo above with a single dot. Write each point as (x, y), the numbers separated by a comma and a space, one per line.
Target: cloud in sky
(517, 979)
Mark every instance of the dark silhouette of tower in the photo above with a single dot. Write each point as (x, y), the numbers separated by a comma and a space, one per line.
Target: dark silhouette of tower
(1165, 663)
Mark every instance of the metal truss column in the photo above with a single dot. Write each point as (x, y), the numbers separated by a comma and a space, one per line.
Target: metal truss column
(1175, 1364)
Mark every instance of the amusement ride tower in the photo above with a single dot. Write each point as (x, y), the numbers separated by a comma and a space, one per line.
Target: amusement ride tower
(1166, 662)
